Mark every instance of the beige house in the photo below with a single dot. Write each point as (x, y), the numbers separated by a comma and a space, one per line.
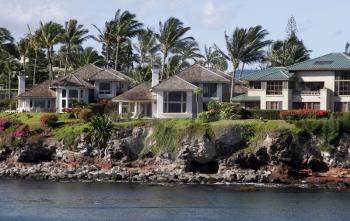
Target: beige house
(322, 83)
(177, 97)
(86, 84)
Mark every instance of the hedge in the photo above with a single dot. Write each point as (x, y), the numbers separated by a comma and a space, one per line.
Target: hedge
(265, 114)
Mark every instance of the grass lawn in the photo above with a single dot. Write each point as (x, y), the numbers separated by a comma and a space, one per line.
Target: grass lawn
(33, 119)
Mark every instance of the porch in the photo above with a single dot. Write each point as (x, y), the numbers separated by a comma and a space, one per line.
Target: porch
(135, 109)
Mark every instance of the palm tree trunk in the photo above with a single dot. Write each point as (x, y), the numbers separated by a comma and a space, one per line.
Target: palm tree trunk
(50, 62)
(240, 74)
(235, 66)
(116, 56)
(35, 63)
(107, 56)
(163, 66)
(66, 62)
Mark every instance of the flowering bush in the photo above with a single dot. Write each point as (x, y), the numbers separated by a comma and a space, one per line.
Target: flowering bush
(48, 120)
(4, 124)
(303, 114)
(21, 131)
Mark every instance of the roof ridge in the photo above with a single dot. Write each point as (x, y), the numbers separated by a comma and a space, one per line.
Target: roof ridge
(283, 73)
(113, 73)
(345, 55)
(211, 71)
(185, 81)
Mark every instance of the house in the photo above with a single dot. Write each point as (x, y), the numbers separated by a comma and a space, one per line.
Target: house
(86, 84)
(321, 83)
(182, 95)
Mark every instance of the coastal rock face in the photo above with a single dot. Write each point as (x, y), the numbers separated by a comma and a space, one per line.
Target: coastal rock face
(5, 153)
(341, 155)
(126, 144)
(229, 141)
(34, 154)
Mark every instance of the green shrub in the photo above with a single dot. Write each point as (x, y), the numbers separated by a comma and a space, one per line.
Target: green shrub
(208, 116)
(265, 114)
(85, 114)
(48, 120)
(101, 129)
(226, 111)
(6, 104)
(97, 108)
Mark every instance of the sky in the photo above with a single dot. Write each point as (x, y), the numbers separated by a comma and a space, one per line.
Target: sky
(322, 24)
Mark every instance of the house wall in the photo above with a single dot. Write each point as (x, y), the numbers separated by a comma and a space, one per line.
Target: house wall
(81, 97)
(24, 105)
(123, 86)
(160, 101)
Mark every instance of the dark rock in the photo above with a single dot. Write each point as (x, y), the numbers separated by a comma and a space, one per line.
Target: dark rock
(35, 154)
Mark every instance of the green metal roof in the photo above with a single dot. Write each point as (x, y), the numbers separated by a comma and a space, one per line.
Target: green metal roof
(245, 97)
(269, 74)
(332, 61)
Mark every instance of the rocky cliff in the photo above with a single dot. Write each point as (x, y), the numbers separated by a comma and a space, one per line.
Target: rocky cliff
(208, 155)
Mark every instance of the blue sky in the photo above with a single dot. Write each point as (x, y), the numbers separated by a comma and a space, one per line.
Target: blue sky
(322, 24)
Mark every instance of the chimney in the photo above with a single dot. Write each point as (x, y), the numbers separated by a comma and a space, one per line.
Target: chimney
(155, 75)
(21, 83)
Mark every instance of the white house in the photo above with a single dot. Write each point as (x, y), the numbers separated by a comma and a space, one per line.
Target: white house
(178, 95)
(86, 84)
(322, 83)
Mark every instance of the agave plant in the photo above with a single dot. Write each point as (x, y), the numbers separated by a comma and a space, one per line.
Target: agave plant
(101, 129)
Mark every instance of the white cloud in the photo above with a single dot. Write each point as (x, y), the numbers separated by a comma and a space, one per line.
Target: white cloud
(215, 14)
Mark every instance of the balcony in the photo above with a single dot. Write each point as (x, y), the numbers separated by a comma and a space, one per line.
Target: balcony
(307, 92)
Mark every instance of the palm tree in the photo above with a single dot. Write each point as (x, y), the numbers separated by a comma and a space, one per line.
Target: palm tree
(105, 38)
(146, 47)
(49, 34)
(23, 47)
(74, 34)
(197, 91)
(213, 59)
(89, 56)
(244, 46)
(34, 44)
(170, 36)
(124, 27)
(288, 52)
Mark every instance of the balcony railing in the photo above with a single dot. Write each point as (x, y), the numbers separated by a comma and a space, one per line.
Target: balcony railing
(307, 93)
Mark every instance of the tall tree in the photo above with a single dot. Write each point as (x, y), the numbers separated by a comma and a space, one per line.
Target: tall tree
(35, 46)
(170, 36)
(74, 34)
(105, 38)
(244, 46)
(146, 47)
(88, 56)
(49, 34)
(124, 27)
(213, 59)
(289, 51)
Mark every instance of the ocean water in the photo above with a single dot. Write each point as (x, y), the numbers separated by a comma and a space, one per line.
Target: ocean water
(22, 200)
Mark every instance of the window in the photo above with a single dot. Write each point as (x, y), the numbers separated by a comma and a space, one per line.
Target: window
(105, 88)
(209, 90)
(306, 105)
(341, 106)
(255, 85)
(342, 83)
(39, 103)
(174, 102)
(274, 87)
(274, 105)
(64, 93)
(30, 103)
(64, 104)
(73, 94)
(48, 104)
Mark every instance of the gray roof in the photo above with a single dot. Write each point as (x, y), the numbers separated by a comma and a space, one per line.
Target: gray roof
(332, 61)
(41, 90)
(175, 83)
(269, 74)
(91, 72)
(245, 97)
(72, 80)
(198, 73)
(141, 92)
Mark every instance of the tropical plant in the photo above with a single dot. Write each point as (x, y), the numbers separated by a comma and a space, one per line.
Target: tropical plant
(213, 59)
(88, 56)
(197, 91)
(49, 34)
(287, 52)
(101, 129)
(147, 48)
(73, 35)
(105, 38)
(244, 46)
(171, 36)
(35, 46)
(124, 26)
